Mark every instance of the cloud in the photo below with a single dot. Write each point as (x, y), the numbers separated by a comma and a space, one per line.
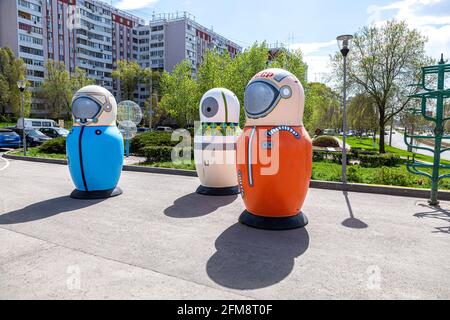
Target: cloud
(317, 56)
(133, 4)
(417, 13)
(435, 27)
(313, 47)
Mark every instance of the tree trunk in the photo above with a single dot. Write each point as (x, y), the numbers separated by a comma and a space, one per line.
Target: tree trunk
(382, 137)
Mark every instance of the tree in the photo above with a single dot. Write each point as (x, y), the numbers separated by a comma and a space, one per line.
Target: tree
(56, 89)
(362, 114)
(322, 110)
(213, 71)
(179, 92)
(383, 62)
(59, 86)
(79, 80)
(152, 112)
(12, 69)
(220, 70)
(293, 62)
(242, 69)
(130, 74)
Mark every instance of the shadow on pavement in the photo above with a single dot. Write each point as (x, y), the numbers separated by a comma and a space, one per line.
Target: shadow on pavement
(45, 209)
(436, 213)
(248, 259)
(352, 222)
(195, 205)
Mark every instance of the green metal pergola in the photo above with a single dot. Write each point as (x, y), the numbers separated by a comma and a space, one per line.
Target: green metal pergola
(438, 94)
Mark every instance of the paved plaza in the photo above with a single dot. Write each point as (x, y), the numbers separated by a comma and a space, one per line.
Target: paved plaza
(160, 240)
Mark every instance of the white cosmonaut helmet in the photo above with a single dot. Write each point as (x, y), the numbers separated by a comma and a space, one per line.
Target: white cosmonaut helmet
(94, 106)
(219, 105)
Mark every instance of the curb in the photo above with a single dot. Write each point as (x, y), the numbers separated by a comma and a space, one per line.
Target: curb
(323, 185)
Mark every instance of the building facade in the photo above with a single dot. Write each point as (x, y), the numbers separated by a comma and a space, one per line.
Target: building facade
(94, 36)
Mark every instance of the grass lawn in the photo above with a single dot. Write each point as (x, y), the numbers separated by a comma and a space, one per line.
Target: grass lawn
(394, 176)
(170, 165)
(367, 144)
(7, 124)
(36, 153)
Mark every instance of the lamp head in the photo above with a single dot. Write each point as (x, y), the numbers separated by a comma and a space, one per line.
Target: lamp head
(22, 84)
(345, 43)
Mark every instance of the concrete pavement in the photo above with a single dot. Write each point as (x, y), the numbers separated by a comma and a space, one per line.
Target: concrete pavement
(159, 240)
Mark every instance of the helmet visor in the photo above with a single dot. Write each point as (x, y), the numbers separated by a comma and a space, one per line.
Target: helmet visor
(85, 108)
(260, 99)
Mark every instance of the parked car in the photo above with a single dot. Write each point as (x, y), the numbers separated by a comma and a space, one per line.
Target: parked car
(143, 130)
(36, 123)
(9, 139)
(329, 132)
(55, 132)
(34, 138)
(164, 129)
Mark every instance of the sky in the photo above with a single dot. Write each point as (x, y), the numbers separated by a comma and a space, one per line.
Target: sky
(311, 25)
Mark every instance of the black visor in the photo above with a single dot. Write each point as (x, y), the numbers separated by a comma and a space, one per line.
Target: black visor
(85, 108)
(260, 99)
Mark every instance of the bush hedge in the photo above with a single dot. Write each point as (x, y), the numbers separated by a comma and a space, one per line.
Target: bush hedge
(393, 177)
(335, 157)
(161, 154)
(326, 142)
(379, 160)
(358, 151)
(56, 146)
(152, 139)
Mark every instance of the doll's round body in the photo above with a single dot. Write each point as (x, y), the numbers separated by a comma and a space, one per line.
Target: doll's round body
(95, 145)
(95, 157)
(275, 185)
(215, 143)
(274, 153)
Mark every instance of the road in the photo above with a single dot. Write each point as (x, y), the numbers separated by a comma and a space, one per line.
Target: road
(160, 240)
(399, 142)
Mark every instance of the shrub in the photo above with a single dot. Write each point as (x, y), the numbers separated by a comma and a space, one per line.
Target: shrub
(319, 156)
(354, 174)
(56, 146)
(161, 154)
(152, 139)
(379, 160)
(358, 151)
(336, 157)
(326, 142)
(6, 118)
(393, 177)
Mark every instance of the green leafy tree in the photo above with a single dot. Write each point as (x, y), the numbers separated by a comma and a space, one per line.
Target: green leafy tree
(12, 69)
(362, 114)
(179, 92)
(59, 86)
(383, 62)
(242, 69)
(130, 74)
(56, 91)
(213, 71)
(322, 109)
(79, 80)
(151, 109)
(293, 62)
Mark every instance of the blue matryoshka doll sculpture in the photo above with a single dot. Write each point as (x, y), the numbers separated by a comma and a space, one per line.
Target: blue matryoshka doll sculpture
(95, 145)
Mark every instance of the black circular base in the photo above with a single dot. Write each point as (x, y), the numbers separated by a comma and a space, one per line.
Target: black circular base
(230, 191)
(268, 223)
(95, 195)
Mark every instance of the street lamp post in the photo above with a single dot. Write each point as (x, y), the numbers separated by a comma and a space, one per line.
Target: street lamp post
(22, 84)
(344, 43)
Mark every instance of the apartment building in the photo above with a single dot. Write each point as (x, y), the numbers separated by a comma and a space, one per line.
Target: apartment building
(94, 36)
(169, 38)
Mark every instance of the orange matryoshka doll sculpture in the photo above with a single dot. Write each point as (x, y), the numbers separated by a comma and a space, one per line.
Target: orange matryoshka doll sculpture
(274, 152)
